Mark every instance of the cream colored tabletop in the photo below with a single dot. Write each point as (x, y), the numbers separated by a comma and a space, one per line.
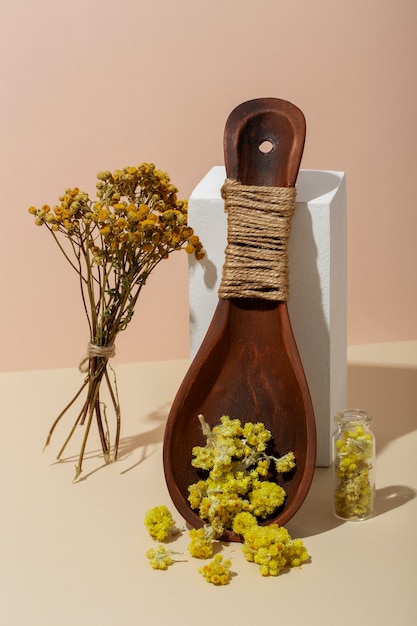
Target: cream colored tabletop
(74, 554)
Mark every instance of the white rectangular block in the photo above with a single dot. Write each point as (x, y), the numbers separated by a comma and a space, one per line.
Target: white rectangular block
(317, 263)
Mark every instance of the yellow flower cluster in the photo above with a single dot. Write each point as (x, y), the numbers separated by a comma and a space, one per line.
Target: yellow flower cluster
(161, 526)
(160, 523)
(354, 493)
(201, 545)
(113, 242)
(271, 547)
(160, 558)
(136, 217)
(285, 463)
(217, 571)
(236, 460)
(265, 498)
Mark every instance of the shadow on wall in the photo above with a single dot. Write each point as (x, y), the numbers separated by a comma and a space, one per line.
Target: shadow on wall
(390, 394)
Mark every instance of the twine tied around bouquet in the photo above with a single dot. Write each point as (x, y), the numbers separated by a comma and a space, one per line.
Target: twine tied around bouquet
(106, 352)
(259, 224)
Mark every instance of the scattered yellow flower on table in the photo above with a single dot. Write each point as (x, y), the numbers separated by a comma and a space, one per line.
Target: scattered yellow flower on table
(271, 547)
(160, 558)
(160, 523)
(217, 571)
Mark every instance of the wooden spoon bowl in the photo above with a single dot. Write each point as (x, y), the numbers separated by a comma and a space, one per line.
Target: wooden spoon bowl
(248, 366)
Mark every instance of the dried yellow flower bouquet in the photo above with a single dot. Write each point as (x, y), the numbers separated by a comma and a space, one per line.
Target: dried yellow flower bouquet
(113, 243)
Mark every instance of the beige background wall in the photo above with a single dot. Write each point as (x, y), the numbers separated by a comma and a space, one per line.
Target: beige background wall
(100, 84)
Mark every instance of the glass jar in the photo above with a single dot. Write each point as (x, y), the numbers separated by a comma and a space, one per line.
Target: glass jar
(354, 463)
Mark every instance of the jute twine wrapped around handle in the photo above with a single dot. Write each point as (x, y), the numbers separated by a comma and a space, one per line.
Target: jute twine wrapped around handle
(259, 224)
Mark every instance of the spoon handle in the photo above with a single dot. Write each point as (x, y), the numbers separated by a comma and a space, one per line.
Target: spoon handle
(248, 366)
(274, 135)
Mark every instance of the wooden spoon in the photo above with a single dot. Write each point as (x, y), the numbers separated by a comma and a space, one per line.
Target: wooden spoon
(248, 366)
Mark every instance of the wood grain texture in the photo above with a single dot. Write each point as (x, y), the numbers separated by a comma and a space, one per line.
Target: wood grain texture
(248, 366)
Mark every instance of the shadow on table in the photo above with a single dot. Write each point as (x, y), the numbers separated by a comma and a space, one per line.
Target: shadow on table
(389, 498)
(316, 514)
(145, 442)
(155, 434)
(390, 394)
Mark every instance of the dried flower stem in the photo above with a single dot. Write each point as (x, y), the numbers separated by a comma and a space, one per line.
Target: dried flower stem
(117, 240)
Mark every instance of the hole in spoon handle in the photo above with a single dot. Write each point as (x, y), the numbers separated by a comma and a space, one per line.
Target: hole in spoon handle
(264, 142)
(266, 146)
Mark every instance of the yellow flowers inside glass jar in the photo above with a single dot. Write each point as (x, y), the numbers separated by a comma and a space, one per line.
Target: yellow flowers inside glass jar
(354, 462)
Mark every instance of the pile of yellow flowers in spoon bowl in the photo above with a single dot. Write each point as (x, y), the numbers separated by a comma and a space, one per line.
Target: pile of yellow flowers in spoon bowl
(234, 493)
